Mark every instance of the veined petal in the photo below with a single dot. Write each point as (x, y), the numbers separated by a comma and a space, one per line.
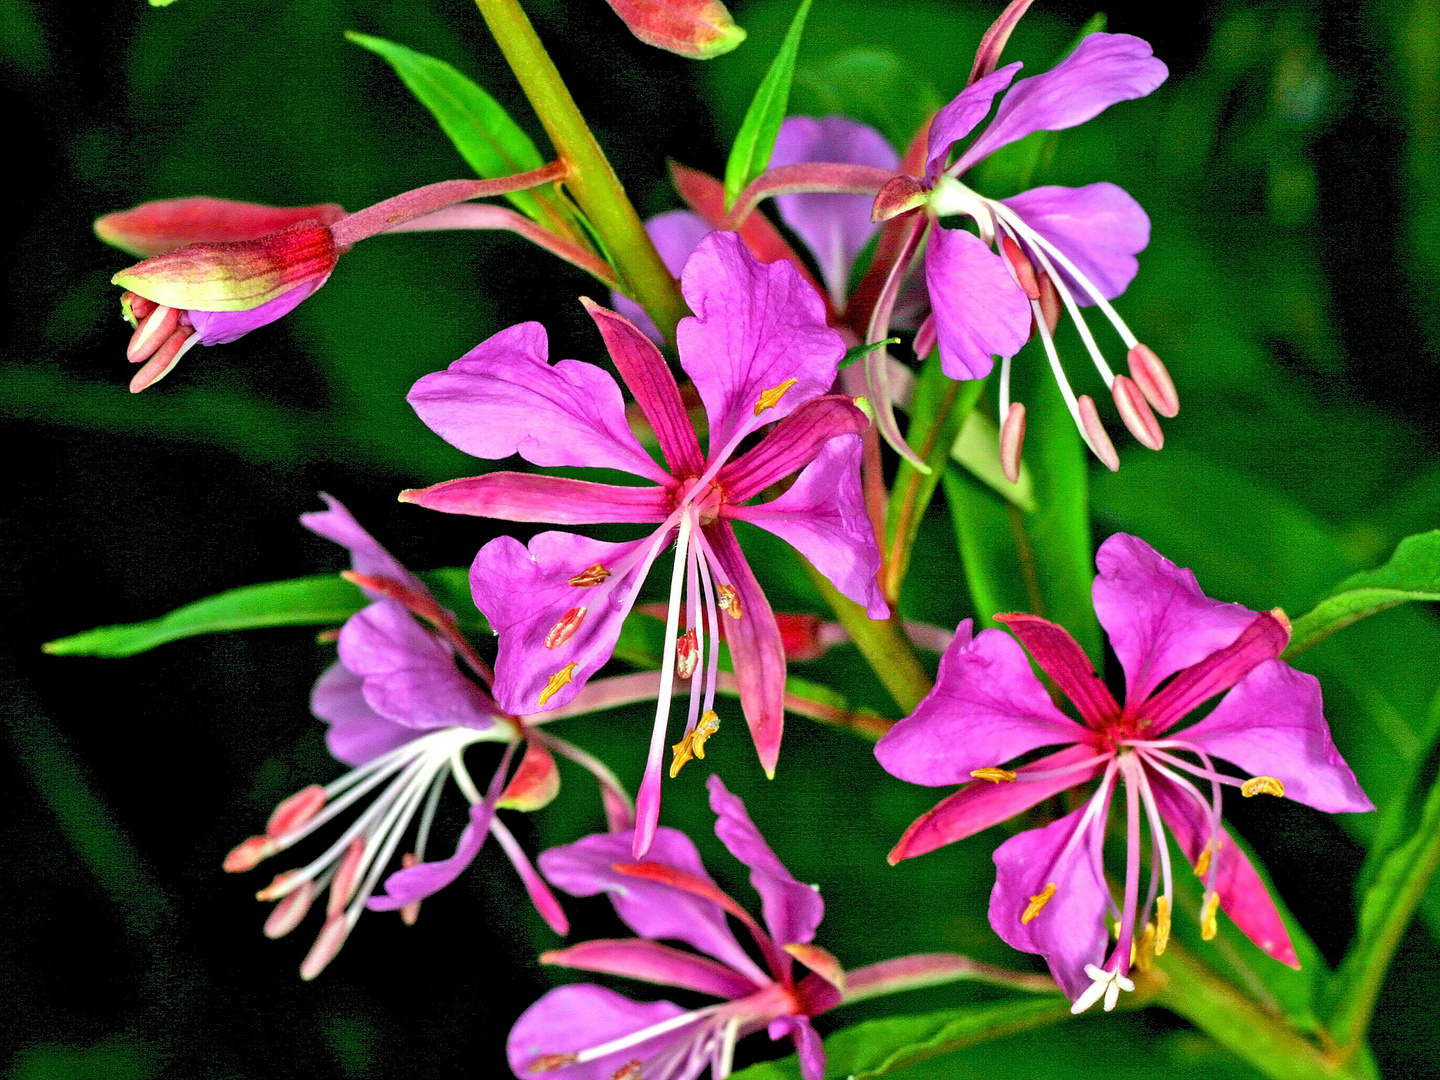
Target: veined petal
(573, 1018)
(165, 225)
(1273, 724)
(958, 119)
(640, 958)
(1069, 930)
(755, 646)
(834, 227)
(675, 234)
(823, 517)
(1104, 69)
(756, 329)
(367, 556)
(356, 732)
(503, 398)
(987, 708)
(981, 803)
(410, 675)
(980, 312)
(411, 885)
(792, 909)
(1264, 639)
(1099, 228)
(790, 446)
(1060, 656)
(512, 496)
(222, 327)
(1156, 616)
(527, 595)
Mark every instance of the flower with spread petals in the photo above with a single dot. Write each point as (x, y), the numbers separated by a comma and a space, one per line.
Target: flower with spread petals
(1179, 649)
(758, 351)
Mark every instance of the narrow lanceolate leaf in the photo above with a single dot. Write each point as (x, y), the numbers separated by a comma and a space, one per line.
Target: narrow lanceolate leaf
(751, 152)
(1413, 573)
(487, 138)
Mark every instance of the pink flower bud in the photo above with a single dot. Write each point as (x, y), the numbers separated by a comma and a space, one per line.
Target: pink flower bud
(899, 195)
(698, 29)
(157, 228)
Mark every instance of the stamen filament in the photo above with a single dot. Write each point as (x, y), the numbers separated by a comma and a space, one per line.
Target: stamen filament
(624, 1042)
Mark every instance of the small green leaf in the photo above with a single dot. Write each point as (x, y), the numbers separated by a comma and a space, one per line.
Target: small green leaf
(751, 152)
(859, 352)
(1413, 573)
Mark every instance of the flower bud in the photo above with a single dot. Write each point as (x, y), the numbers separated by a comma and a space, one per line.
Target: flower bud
(166, 225)
(698, 29)
(899, 195)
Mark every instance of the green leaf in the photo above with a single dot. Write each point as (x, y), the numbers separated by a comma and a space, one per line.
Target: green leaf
(874, 86)
(751, 152)
(1413, 573)
(487, 138)
(977, 448)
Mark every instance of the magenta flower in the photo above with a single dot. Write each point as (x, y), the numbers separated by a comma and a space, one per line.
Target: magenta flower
(988, 709)
(758, 351)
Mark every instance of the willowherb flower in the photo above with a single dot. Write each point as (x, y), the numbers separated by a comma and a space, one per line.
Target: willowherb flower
(758, 351)
(1178, 648)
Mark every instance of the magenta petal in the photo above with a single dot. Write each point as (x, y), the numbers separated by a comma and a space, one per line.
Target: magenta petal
(981, 803)
(834, 227)
(1264, 639)
(503, 398)
(808, 1047)
(987, 708)
(1103, 70)
(1273, 724)
(1157, 618)
(1070, 931)
(526, 593)
(356, 732)
(513, 496)
(639, 958)
(676, 233)
(755, 328)
(221, 327)
(958, 119)
(1099, 228)
(1243, 895)
(980, 312)
(652, 910)
(366, 555)
(792, 910)
(755, 647)
(823, 517)
(409, 675)
(573, 1018)
(790, 445)
(423, 879)
(1060, 656)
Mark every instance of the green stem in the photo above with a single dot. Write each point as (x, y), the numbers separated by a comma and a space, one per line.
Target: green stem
(593, 183)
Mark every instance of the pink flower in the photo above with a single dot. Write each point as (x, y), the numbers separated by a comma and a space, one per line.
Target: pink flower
(988, 709)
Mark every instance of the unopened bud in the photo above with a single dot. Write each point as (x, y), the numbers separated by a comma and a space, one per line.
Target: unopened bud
(687, 654)
(899, 195)
(156, 228)
(134, 307)
(332, 936)
(1012, 441)
(1021, 267)
(296, 810)
(249, 854)
(1154, 380)
(1135, 411)
(697, 29)
(290, 911)
(1095, 433)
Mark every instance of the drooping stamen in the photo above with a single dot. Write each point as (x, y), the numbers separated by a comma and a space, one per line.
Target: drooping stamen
(770, 398)
(1208, 927)
(152, 333)
(1135, 412)
(1162, 924)
(557, 682)
(1153, 379)
(1037, 903)
(692, 745)
(629, 1071)
(564, 630)
(342, 889)
(1012, 440)
(249, 853)
(290, 911)
(410, 913)
(164, 359)
(1159, 854)
(1131, 767)
(295, 811)
(729, 600)
(1021, 267)
(1262, 785)
(590, 577)
(635, 1038)
(712, 616)
(327, 945)
(1107, 984)
(994, 775)
(1095, 433)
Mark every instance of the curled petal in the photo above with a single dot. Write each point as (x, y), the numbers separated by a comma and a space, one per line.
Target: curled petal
(639, 958)
(958, 119)
(413, 884)
(980, 312)
(367, 556)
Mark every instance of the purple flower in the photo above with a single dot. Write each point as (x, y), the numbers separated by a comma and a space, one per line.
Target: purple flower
(988, 709)
(758, 351)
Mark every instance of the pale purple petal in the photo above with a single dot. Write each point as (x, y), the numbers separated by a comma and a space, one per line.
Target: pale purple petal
(1103, 70)
(525, 594)
(987, 708)
(221, 327)
(1070, 931)
(834, 227)
(675, 233)
(790, 446)
(366, 555)
(980, 312)
(573, 1018)
(423, 879)
(503, 398)
(1157, 618)
(792, 909)
(1273, 724)
(356, 732)
(532, 497)
(1099, 228)
(640, 958)
(958, 119)
(409, 674)
(755, 328)
(823, 517)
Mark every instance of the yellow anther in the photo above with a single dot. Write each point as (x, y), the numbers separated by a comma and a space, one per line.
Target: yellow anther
(729, 600)
(559, 679)
(1202, 864)
(590, 577)
(1207, 916)
(1142, 950)
(770, 398)
(1162, 925)
(692, 744)
(1262, 785)
(1037, 903)
(565, 629)
(993, 775)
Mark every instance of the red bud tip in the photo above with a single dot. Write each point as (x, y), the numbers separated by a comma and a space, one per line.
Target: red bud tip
(290, 911)
(410, 912)
(1012, 440)
(249, 854)
(927, 337)
(1050, 305)
(900, 195)
(155, 228)
(296, 810)
(165, 359)
(1095, 433)
(1154, 380)
(1136, 413)
(1023, 269)
(332, 936)
(697, 29)
(687, 654)
(342, 889)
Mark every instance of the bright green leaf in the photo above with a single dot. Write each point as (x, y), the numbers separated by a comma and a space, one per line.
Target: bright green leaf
(751, 152)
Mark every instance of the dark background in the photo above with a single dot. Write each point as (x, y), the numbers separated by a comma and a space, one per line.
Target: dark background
(1292, 169)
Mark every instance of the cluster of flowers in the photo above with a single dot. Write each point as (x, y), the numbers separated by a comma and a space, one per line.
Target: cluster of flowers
(762, 353)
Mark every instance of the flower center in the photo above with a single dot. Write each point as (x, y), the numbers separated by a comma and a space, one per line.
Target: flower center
(703, 500)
